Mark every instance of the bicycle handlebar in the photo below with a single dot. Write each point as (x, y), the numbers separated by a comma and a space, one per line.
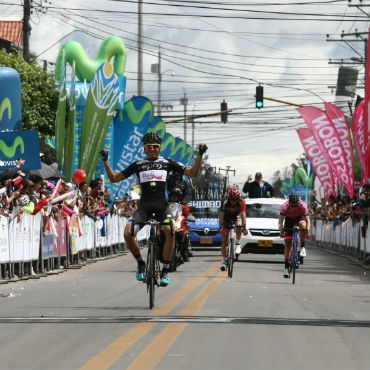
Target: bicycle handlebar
(295, 228)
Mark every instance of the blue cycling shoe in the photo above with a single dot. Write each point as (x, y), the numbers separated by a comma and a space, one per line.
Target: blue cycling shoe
(165, 280)
(140, 272)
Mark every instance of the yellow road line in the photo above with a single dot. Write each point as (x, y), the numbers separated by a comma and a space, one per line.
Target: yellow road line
(178, 297)
(152, 354)
(105, 359)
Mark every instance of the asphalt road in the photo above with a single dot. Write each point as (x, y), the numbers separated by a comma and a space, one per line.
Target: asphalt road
(97, 317)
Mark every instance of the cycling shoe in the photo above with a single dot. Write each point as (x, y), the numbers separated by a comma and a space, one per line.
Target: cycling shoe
(140, 272)
(165, 280)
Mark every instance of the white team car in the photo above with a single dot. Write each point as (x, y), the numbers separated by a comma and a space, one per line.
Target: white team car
(263, 226)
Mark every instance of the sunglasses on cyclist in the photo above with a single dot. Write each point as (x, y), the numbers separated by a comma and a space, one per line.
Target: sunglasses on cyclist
(152, 146)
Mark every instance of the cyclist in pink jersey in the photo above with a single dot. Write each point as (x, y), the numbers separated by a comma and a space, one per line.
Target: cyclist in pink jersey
(294, 212)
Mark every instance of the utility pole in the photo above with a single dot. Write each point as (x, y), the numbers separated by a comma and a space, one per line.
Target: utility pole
(226, 182)
(192, 132)
(358, 38)
(159, 81)
(26, 30)
(139, 50)
(184, 102)
(193, 128)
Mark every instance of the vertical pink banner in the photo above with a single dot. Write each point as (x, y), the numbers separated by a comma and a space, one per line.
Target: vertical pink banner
(339, 121)
(366, 106)
(62, 236)
(60, 241)
(359, 138)
(56, 238)
(328, 139)
(318, 161)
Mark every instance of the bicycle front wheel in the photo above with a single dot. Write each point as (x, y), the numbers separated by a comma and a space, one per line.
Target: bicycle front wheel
(150, 274)
(231, 258)
(294, 264)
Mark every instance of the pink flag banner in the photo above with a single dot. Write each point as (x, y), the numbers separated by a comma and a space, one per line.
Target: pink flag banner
(366, 106)
(328, 139)
(339, 121)
(359, 138)
(318, 161)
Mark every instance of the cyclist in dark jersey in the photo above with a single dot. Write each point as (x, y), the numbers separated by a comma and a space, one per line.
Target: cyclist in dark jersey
(232, 211)
(152, 174)
(294, 212)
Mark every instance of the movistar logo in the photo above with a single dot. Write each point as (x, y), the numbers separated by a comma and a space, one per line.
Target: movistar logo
(5, 104)
(9, 151)
(136, 115)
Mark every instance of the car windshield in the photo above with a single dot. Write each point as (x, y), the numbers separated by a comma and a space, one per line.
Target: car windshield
(258, 210)
(209, 212)
(201, 208)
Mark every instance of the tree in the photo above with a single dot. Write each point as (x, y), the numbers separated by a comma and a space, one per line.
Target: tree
(277, 183)
(39, 97)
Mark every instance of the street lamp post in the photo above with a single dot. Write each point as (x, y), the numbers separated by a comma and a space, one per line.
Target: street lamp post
(156, 68)
(184, 102)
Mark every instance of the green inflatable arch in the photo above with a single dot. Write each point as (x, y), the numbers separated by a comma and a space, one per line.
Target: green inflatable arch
(113, 46)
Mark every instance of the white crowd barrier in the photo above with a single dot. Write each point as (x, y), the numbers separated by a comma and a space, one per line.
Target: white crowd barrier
(22, 241)
(345, 238)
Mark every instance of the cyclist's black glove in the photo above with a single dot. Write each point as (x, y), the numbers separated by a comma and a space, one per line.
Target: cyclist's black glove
(202, 148)
(104, 155)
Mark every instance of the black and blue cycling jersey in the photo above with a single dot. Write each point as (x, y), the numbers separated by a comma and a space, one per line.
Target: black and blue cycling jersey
(152, 176)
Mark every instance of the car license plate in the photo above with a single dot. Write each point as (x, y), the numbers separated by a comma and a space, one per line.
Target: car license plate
(265, 243)
(206, 240)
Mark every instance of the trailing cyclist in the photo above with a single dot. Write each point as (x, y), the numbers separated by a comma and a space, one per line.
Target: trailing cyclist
(152, 174)
(182, 250)
(232, 211)
(294, 212)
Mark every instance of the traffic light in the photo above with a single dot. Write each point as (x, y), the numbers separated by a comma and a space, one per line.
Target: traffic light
(259, 97)
(358, 100)
(223, 115)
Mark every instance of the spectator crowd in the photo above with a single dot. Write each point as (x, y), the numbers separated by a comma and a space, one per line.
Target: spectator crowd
(339, 209)
(27, 192)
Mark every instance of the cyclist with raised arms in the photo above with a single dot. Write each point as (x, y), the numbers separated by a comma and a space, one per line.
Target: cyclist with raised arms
(232, 211)
(152, 174)
(294, 212)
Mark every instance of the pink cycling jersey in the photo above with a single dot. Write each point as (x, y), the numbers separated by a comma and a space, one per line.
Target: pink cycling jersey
(301, 210)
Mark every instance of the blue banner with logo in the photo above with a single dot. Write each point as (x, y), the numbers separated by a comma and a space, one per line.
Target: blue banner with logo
(10, 100)
(20, 144)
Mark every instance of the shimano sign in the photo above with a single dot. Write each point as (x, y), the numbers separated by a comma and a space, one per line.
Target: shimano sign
(205, 203)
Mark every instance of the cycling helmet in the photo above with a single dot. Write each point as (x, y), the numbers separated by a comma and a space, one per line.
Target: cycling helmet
(24, 200)
(152, 137)
(294, 198)
(234, 193)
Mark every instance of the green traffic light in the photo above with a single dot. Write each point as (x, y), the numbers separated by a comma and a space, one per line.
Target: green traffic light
(259, 104)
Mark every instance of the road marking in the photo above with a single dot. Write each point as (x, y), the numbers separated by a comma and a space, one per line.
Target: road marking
(152, 354)
(187, 319)
(105, 359)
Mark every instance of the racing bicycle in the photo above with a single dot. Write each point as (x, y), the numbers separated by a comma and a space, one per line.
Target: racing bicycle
(295, 259)
(230, 249)
(152, 267)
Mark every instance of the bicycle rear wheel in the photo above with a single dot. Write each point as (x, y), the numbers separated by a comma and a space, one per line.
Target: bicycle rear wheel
(150, 274)
(294, 263)
(231, 257)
